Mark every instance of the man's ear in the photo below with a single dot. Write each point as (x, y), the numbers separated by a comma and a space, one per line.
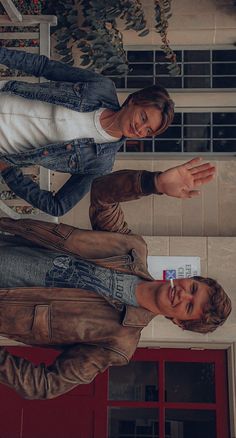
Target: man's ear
(177, 322)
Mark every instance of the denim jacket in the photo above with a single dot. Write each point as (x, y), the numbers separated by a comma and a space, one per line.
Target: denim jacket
(75, 88)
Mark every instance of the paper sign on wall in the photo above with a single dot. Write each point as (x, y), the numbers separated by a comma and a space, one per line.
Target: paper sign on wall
(167, 267)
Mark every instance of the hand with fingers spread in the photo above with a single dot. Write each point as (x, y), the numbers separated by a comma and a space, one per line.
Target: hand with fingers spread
(182, 181)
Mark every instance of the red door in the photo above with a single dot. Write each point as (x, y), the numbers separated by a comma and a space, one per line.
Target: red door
(162, 393)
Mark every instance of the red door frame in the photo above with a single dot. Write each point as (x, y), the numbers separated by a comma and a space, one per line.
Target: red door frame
(175, 355)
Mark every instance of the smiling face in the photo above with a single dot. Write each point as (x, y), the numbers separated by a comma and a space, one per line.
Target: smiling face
(186, 301)
(139, 120)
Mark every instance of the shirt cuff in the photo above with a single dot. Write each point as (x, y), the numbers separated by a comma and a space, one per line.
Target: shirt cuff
(148, 183)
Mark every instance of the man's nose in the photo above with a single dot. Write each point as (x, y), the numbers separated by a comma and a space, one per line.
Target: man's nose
(186, 296)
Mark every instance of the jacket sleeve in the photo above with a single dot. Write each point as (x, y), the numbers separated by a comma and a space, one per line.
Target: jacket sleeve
(40, 65)
(76, 366)
(55, 204)
(108, 191)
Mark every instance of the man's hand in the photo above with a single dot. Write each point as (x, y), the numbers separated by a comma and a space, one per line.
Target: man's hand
(4, 165)
(182, 181)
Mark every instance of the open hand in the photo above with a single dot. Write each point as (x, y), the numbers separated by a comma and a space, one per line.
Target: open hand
(182, 181)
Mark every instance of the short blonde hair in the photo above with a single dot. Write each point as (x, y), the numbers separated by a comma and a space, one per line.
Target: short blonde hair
(215, 312)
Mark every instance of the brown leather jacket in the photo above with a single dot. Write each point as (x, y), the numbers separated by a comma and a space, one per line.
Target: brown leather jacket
(92, 332)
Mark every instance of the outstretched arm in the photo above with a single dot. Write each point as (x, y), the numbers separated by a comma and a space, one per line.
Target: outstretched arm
(40, 65)
(55, 204)
(108, 191)
(77, 365)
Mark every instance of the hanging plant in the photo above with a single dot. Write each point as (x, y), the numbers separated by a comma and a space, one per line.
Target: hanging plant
(98, 38)
(162, 15)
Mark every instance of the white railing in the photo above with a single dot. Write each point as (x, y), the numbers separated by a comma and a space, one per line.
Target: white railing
(35, 31)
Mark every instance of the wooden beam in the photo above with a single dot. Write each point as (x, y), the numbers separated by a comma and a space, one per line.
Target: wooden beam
(11, 10)
(28, 20)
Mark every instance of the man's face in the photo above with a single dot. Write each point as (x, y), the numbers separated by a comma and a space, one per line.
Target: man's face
(185, 302)
(139, 121)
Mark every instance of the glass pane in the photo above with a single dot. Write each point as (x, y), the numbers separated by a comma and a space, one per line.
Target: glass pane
(224, 55)
(197, 69)
(197, 82)
(167, 145)
(140, 56)
(137, 381)
(172, 132)
(224, 82)
(139, 146)
(224, 132)
(224, 118)
(197, 118)
(197, 146)
(177, 119)
(133, 82)
(196, 55)
(141, 69)
(169, 82)
(224, 146)
(162, 69)
(190, 424)
(192, 382)
(224, 69)
(197, 132)
(160, 56)
(133, 423)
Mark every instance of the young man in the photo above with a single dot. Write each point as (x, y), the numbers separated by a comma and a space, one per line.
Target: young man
(74, 125)
(89, 293)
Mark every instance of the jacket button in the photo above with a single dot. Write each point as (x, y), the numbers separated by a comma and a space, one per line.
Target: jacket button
(45, 153)
(69, 147)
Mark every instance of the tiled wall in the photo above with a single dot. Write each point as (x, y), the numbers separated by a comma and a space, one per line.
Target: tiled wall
(193, 22)
(211, 214)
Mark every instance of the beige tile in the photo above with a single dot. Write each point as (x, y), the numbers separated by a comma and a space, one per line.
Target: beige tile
(225, 36)
(211, 208)
(192, 22)
(225, 17)
(193, 216)
(157, 245)
(188, 246)
(227, 198)
(197, 37)
(188, 6)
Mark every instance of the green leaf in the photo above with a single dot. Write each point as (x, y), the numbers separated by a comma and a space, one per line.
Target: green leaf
(144, 33)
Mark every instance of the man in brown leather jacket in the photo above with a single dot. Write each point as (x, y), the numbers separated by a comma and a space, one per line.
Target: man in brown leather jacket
(77, 301)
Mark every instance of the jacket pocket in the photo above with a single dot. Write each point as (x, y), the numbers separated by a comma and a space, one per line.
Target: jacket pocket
(41, 328)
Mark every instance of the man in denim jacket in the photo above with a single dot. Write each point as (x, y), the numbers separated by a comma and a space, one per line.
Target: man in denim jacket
(73, 125)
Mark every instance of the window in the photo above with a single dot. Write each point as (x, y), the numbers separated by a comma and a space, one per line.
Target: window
(199, 69)
(203, 130)
(191, 132)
